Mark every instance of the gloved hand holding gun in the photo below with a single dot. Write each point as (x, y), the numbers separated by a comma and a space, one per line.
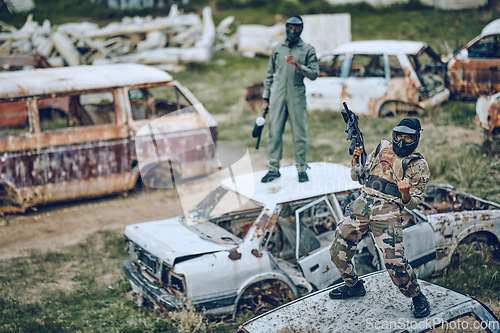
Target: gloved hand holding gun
(259, 125)
(357, 146)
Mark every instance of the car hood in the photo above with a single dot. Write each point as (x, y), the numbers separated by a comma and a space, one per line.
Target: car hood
(169, 239)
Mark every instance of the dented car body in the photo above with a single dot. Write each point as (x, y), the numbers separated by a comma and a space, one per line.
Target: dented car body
(271, 245)
(379, 78)
(474, 69)
(85, 131)
(382, 309)
(488, 115)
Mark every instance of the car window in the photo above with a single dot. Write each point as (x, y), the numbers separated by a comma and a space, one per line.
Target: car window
(395, 68)
(367, 66)
(316, 223)
(226, 209)
(87, 109)
(153, 102)
(486, 48)
(331, 65)
(14, 118)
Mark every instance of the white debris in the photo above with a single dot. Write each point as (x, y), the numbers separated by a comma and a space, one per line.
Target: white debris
(324, 31)
(171, 41)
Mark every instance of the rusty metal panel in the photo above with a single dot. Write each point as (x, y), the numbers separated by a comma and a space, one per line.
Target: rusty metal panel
(488, 115)
(97, 155)
(47, 81)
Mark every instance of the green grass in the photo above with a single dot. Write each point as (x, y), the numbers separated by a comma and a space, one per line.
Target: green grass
(80, 289)
(477, 273)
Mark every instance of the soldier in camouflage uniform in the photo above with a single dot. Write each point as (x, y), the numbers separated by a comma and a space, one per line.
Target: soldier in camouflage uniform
(396, 178)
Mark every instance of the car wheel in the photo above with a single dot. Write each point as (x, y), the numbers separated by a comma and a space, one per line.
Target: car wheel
(262, 297)
(394, 108)
(162, 175)
(481, 243)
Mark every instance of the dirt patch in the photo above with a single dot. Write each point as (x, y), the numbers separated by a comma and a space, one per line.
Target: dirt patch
(56, 226)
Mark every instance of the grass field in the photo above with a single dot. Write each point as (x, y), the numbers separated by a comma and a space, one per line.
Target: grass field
(81, 288)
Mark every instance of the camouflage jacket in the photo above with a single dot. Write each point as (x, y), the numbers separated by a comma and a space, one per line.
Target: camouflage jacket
(384, 163)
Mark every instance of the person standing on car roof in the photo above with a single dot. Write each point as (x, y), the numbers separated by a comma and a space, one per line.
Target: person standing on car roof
(285, 94)
(396, 178)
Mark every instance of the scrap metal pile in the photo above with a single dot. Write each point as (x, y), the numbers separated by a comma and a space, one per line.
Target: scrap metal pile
(170, 42)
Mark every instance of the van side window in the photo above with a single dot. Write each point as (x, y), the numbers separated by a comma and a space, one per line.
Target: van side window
(14, 118)
(395, 67)
(331, 65)
(76, 110)
(367, 66)
(154, 102)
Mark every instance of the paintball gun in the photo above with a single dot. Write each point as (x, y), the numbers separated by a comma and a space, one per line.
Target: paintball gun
(259, 125)
(356, 137)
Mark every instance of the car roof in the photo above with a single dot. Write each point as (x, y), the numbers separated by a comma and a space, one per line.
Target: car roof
(381, 47)
(324, 178)
(47, 81)
(383, 307)
(491, 28)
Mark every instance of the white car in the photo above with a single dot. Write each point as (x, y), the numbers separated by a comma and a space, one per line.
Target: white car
(379, 78)
(249, 247)
(382, 309)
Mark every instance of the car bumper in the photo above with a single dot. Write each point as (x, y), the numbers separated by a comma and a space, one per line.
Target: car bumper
(155, 293)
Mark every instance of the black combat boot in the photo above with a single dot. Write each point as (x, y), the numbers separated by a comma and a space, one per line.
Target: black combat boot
(270, 176)
(344, 291)
(421, 307)
(303, 177)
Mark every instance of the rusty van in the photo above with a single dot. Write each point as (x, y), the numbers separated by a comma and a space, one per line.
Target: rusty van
(87, 131)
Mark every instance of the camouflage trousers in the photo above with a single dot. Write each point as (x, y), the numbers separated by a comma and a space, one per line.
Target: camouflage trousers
(383, 218)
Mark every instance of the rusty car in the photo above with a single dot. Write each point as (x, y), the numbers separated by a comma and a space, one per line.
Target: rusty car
(488, 115)
(474, 68)
(86, 131)
(379, 78)
(382, 309)
(248, 246)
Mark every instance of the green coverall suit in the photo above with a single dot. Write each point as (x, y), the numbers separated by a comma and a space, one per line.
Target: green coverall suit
(284, 87)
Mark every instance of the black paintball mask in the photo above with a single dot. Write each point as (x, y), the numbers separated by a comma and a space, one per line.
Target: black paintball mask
(411, 128)
(294, 27)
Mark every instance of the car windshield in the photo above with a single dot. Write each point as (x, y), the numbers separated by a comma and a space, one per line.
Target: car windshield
(224, 216)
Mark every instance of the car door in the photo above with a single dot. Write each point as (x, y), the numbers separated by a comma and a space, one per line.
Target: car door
(366, 83)
(420, 248)
(315, 228)
(324, 93)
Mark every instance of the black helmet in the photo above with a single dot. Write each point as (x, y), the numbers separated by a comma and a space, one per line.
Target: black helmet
(411, 127)
(293, 35)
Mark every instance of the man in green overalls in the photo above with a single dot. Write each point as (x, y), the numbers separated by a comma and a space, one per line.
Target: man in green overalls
(397, 177)
(285, 93)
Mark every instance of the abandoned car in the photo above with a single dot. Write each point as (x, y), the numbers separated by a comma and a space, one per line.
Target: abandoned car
(379, 78)
(488, 115)
(382, 309)
(85, 131)
(249, 246)
(474, 69)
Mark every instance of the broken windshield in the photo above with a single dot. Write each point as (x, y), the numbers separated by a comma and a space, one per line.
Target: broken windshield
(233, 213)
